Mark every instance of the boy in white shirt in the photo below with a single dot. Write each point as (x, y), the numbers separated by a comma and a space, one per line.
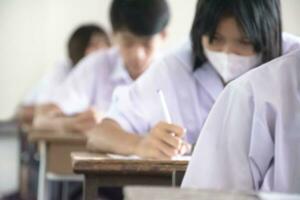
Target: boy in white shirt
(139, 28)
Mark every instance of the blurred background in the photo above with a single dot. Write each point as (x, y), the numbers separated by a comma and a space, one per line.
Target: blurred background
(33, 35)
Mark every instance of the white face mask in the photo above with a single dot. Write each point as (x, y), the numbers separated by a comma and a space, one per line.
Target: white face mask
(231, 66)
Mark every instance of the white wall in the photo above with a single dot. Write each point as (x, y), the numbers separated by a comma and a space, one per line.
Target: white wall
(291, 16)
(33, 35)
(9, 164)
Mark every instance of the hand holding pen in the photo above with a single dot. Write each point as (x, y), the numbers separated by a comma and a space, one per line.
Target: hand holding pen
(165, 140)
(185, 147)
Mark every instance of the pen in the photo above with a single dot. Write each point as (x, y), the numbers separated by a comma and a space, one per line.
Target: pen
(165, 109)
(164, 106)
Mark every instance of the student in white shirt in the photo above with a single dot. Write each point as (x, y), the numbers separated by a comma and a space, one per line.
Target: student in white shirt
(228, 38)
(251, 140)
(83, 41)
(139, 29)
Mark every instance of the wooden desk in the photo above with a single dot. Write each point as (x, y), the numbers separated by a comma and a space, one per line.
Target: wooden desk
(109, 170)
(158, 193)
(55, 160)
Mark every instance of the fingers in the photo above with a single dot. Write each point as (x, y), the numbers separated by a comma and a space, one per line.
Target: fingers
(49, 109)
(169, 134)
(97, 116)
(186, 148)
(88, 116)
(167, 150)
(167, 139)
(85, 121)
(170, 140)
(83, 127)
(172, 128)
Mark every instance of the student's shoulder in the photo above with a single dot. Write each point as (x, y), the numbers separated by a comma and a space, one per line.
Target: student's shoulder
(176, 57)
(100, 60)
(282, 66)
(63, 66)
(107, 55)
(64, 63)
(271, 75)
(290, 43)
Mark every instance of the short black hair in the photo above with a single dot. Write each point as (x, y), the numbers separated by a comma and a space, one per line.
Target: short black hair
(80, 40)
(140, 17)
(259, 19)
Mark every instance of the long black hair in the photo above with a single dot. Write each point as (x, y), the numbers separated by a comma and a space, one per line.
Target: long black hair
(259, 19)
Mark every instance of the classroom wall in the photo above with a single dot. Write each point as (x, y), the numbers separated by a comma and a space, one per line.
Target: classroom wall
(33, 34)
(10, 165)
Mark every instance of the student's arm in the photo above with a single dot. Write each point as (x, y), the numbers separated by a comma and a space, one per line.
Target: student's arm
(128, 127)
(71, 97)
(159, 143)
(50, 117)
(25, 114)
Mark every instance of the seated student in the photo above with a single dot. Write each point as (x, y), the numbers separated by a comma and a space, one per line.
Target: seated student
(251, 140)
(139, 29)
(83, 41)
(228, 38)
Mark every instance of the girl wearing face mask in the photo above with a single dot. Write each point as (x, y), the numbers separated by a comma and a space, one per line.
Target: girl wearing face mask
(228, 38)
(241, 35)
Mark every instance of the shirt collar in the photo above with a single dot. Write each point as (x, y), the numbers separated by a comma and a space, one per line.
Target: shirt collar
(184, 54)
(210, 80)
(206, 75)
(120, 73)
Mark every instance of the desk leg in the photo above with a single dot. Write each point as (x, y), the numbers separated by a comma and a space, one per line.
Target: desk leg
(42, 186)
(174, 178)
(177, 177)
(90, 188)
(65, 190)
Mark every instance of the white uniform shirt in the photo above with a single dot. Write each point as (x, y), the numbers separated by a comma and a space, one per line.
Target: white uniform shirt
(251, 139)
(92, 83)
(49, 83)
(189, 95)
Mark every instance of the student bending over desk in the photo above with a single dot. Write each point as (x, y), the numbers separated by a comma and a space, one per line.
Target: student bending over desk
(227, 39)
(251, 140)
(139, 29)
(85, 40)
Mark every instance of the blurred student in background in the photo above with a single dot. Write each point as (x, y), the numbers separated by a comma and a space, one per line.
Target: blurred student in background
(83, 41)
(139, 29)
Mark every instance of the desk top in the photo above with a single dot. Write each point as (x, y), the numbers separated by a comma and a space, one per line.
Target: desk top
(84, 162)
(158, 193)
(50, 136)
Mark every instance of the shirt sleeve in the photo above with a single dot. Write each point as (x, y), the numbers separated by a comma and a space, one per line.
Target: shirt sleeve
(290, 43)
(234, 149)
(137, 107)
(48, 83)
(75, 93)
(126, 110)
